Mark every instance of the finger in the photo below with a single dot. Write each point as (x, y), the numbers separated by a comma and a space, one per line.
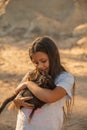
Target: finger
(28, 105)
(17, 103)
(17, 90)
(26, 98)
(20, 87)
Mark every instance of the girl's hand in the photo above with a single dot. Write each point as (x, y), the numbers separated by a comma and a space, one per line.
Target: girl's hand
(20, 101)
(20, 87)
(24, 85)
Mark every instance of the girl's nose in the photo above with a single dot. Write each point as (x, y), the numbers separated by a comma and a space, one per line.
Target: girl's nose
(40, 66)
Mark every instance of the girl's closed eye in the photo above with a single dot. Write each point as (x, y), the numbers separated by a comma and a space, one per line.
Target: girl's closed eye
(44, 61)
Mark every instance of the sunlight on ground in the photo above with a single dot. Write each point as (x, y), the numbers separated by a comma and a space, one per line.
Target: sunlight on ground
(75, 60)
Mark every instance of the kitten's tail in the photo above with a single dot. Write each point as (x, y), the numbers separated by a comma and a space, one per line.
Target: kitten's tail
(3, 105)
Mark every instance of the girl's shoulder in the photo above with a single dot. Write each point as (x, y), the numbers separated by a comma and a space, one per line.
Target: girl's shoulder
(65, 76)
(66, 81)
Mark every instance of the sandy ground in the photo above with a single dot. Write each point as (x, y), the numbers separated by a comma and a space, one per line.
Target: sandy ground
(14, 63)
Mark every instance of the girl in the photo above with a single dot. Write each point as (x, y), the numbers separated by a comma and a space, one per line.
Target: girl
(44, 54)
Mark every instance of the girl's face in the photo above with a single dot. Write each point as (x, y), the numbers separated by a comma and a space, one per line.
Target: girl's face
(41, 61)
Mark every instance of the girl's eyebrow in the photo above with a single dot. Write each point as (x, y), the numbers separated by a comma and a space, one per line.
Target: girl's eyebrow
(39, 59)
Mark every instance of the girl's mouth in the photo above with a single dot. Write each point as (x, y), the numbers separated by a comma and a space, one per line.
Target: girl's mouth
(44, 71)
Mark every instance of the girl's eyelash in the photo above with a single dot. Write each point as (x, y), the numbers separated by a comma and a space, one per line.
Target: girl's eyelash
(44, 61)
(41, 61)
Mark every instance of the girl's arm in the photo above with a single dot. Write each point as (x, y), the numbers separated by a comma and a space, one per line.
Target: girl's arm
(46, 95)
(43, 94)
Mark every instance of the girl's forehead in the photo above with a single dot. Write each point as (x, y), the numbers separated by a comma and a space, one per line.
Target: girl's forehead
(39, 55)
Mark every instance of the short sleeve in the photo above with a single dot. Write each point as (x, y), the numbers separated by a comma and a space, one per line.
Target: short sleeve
(66, 81)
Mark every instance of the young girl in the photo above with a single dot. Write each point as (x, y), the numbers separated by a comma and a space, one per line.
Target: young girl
(44, 54)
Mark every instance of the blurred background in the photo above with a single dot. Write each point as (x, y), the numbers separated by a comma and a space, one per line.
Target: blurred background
(21, 21)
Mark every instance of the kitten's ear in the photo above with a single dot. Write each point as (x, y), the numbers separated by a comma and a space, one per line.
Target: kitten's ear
(12, 106)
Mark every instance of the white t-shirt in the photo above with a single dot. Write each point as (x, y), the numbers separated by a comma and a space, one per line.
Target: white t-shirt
(49, 116)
